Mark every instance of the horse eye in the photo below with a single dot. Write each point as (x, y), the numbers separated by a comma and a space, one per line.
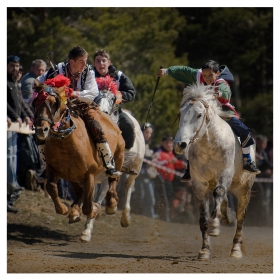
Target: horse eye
(199, 115)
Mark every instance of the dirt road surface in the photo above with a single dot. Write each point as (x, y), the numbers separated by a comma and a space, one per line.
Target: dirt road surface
(40, 241)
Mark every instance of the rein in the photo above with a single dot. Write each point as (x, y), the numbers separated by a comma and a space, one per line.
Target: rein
(205, 118)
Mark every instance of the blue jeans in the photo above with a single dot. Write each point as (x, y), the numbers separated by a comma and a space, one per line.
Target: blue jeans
(12, 158)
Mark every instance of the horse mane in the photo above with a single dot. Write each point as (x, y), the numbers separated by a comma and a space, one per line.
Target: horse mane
(196, 91)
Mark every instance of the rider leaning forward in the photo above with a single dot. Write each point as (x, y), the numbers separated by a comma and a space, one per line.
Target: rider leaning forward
(85, 89)
(213, 74)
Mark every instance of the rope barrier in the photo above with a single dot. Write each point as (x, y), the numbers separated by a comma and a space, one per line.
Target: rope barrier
(180, 174)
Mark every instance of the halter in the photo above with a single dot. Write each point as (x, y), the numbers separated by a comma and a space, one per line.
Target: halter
(54, 125)
(206, 117)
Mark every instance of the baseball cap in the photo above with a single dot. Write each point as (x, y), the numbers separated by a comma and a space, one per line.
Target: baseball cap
(13, 58)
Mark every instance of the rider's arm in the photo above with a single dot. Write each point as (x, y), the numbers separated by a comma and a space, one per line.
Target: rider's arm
(183, 74)
(127, 89)
(222, 89)
(90, 87)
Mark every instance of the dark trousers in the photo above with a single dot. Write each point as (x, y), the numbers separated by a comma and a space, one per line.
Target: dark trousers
(242, 131)
(127, 128)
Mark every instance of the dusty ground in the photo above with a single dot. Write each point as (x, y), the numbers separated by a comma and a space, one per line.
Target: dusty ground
(40, 241)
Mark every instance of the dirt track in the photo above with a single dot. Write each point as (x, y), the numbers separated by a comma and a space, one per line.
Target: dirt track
(40, 241)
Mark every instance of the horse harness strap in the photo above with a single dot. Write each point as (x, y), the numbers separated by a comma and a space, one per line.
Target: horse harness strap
(205, 117)
(62, 134)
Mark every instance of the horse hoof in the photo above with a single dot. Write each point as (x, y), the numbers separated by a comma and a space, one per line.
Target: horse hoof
(125, 222)
(85, 238)
(111, 211)
(213, 231)
(236, 254)
(74, 219)
(204, 255)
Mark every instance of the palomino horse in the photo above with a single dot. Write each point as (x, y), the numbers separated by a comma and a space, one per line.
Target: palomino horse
(133, 159)
(71, 154)
(216, 164)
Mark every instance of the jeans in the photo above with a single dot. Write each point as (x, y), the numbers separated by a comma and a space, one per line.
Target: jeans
(12, 158)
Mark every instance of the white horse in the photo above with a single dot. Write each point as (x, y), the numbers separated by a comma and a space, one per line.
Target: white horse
(216, 164)
(133, 159)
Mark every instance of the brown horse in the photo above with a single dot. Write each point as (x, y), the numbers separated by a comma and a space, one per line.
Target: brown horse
(71, 154)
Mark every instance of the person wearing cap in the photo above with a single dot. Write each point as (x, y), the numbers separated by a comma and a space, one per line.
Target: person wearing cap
(166, 158)
(15, 113)
(219, 76)
(104, 69)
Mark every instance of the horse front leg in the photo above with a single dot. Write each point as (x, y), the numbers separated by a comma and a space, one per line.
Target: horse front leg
(214, 225)
(90, 208)
(112, 196)
(129, 183)
(51, 187)
(99, 196)
(243, 200)
(205, 252)
(75, 213)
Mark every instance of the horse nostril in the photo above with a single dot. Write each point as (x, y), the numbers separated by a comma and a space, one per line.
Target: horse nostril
(183, 145)
(46, 129)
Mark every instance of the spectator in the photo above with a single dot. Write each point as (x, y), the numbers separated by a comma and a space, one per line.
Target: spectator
(264, 188)
(166, 158)
(15, 113)
(143, 198)
(38, 68)
(30, 165)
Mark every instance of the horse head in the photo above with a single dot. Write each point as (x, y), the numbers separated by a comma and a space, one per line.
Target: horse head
(51, 112)
(194, 116)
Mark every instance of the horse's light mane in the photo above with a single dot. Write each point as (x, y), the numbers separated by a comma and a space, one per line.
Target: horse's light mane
(205, 93)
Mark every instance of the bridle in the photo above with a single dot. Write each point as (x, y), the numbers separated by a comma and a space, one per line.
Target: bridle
(206, 117)
(54, 133)
(53, 116)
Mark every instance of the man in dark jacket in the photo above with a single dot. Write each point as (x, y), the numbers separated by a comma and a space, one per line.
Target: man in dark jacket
(15, 113)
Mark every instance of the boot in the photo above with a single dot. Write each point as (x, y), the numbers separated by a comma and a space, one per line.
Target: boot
(187, 176)
(107, 160)
(251, 167)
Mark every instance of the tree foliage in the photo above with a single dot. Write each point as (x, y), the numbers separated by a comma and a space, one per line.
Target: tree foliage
(140, 40)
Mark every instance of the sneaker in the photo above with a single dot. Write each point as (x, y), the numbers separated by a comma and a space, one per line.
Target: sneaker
(11, 208)
(113, 173)
(187, 176)
(251, 168)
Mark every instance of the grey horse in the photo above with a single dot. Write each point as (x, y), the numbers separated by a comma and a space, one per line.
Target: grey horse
(216, 164)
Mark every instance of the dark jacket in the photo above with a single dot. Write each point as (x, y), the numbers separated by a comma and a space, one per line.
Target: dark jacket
(125, 85)
(16, 107)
